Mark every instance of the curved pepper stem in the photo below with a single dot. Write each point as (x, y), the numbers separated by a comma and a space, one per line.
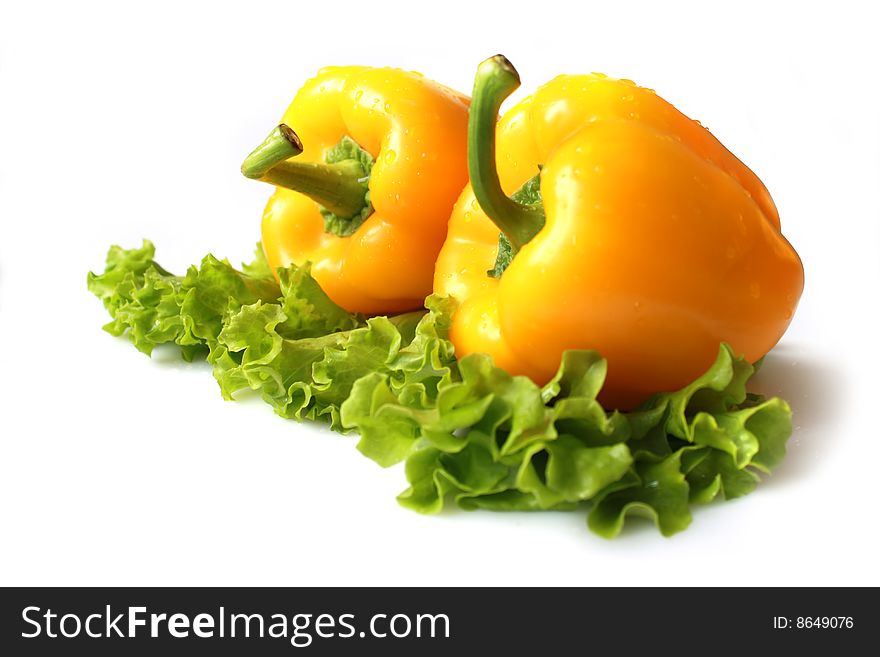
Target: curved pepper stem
(339, 187)
(495, 80)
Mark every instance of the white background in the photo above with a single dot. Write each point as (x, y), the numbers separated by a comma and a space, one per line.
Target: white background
(122, 121)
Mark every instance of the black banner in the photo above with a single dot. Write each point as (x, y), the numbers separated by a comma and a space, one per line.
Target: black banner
(338, 621)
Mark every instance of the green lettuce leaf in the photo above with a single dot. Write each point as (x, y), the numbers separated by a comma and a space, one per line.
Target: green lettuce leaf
(156, 307)
(470, 434)
(493, 441)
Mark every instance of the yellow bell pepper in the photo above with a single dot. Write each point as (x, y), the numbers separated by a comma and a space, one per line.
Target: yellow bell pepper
(658, 245)
(379, 159)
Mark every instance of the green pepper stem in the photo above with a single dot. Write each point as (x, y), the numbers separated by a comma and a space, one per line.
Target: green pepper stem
(337, 187)
(281, 144)
(495, 80)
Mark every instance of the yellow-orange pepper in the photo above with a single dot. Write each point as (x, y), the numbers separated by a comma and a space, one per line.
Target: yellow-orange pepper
(380, 157)
(659, 243)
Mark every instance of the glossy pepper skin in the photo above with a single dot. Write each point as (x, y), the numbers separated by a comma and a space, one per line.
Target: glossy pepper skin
(416, 131)
(659, 244)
